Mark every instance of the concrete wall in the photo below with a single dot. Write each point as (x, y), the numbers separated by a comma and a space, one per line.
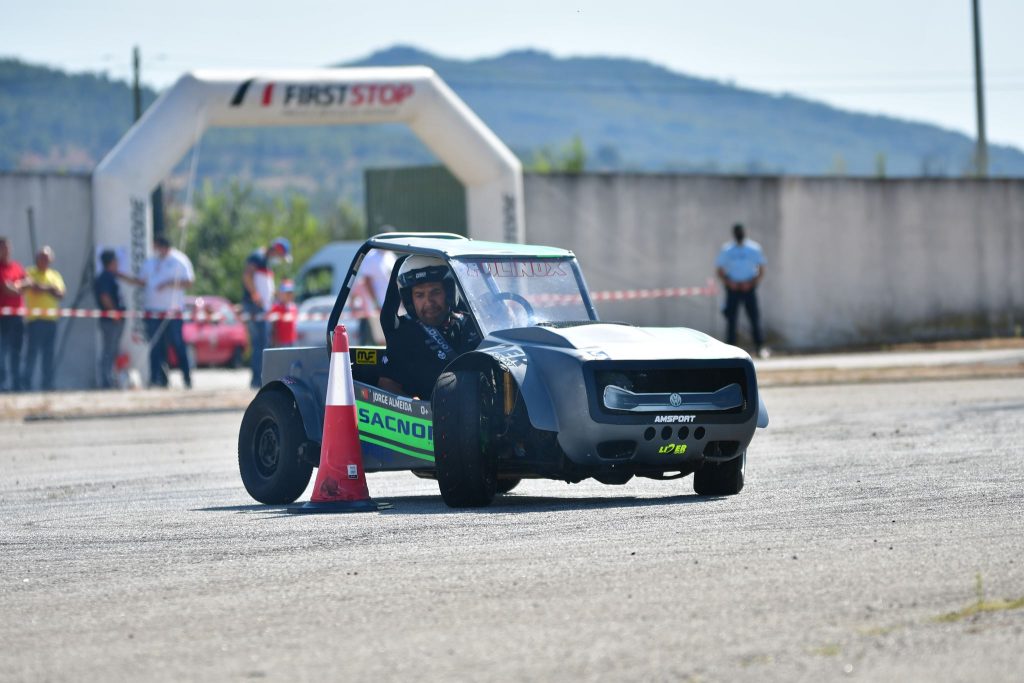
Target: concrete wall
(850, 261)
(62, 210)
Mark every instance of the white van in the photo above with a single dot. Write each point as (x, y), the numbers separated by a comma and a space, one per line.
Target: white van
(324, 272)
(317, 285)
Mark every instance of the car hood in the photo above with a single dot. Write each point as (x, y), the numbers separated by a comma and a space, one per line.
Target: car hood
(622, 342)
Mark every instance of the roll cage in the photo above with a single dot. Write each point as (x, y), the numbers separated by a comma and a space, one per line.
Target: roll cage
(448, 247)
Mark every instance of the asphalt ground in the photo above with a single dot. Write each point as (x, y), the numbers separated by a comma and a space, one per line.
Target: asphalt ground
(879, 538)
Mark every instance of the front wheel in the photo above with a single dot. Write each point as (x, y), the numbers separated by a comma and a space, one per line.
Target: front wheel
(506, 485)
(720, 478)
(268, 450)
(467, 472)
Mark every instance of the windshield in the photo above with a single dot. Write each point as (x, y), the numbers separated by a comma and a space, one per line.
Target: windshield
(522, 291)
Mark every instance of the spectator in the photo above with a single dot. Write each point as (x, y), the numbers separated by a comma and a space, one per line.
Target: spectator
(740, 267)
(108, 298)
(258, 296)
(44, 289)
(12, 326)
(165, 275)
(284, 312)
(374, 276)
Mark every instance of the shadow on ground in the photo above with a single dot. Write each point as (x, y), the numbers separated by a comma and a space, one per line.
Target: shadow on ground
(433, 505)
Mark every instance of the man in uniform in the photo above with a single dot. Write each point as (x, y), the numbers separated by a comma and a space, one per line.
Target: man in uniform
(431, 334)
(740, 267)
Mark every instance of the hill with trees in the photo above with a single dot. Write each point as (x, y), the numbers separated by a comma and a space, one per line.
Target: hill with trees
(608, 114)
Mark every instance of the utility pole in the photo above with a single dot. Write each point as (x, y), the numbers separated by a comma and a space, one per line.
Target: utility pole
(157, 199)
(981, 150)
(136, 90)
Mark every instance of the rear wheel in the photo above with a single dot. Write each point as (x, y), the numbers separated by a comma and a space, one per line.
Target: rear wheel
(467, 470)
(268, 450)
(720, 478)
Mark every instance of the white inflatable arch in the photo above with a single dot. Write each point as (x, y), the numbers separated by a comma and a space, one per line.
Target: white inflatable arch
(415, 95)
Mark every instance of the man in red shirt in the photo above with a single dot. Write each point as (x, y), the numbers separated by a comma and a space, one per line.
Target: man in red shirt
(12, 325)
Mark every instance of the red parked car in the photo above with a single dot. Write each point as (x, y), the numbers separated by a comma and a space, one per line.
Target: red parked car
(213, 333)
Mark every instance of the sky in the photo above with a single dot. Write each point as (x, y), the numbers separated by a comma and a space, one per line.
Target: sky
(911, 59)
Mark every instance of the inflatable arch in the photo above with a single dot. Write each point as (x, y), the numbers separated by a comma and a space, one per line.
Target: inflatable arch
(415, 95)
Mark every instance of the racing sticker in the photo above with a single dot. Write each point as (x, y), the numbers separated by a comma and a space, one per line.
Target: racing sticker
(366, 356)
(508, 357)
(516, 268)
(395, 423)
(673, 449)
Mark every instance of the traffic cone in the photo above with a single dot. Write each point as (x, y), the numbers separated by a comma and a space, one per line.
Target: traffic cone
(340, 480)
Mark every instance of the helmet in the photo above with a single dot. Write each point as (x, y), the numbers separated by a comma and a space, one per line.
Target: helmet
(284, 245)
(417, 269)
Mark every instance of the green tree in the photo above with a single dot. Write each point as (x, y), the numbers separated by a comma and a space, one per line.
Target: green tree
(570, 158)
(227, 225)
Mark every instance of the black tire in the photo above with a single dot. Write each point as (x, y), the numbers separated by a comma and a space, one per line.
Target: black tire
(467, 473)
(236, 358)
(720, 478)
(268, 450)
(506, 485)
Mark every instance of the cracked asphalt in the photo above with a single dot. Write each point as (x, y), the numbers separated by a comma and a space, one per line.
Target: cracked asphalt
(130, 551)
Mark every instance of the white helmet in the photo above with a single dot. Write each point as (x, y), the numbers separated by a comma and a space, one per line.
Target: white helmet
(417, 269)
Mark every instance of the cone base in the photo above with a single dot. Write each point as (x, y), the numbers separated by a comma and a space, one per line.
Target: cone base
(335, 506)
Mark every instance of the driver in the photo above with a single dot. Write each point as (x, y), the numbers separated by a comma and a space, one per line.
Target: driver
(431, 335)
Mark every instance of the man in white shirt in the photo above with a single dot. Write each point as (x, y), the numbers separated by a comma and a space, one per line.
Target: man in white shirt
(166, 275)
(374, 275)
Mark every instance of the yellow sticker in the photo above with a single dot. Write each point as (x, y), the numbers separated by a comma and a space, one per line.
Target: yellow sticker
(366, 356)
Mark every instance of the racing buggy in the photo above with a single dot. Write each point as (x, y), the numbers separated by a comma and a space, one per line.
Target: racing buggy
(551, 391)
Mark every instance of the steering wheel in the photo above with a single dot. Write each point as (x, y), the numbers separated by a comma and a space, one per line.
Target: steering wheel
(521, 300)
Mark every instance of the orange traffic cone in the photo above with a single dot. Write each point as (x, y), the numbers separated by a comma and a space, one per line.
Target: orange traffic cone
(340, 480)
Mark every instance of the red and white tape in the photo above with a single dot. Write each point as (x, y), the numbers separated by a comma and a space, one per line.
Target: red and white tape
(197, 316)
(708, 290)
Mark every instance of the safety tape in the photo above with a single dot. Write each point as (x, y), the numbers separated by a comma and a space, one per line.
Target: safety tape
(188, 316)
(708, 290)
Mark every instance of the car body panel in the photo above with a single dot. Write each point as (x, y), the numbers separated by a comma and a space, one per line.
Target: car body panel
(311, 328)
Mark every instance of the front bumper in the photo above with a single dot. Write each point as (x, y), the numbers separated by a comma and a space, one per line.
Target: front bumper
(622, 422)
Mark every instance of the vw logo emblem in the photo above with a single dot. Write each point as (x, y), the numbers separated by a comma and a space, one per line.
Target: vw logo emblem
(676, 400)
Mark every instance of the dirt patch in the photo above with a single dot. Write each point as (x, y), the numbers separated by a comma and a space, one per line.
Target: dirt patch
(776, 378)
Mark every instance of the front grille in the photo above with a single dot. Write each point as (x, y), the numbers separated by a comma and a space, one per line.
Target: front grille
(666, 377)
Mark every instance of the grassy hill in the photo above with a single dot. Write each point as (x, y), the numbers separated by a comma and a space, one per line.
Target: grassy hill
(629, 115)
